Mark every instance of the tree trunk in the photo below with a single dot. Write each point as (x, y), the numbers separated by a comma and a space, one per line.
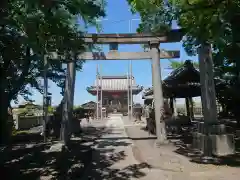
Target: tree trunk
(5, 130)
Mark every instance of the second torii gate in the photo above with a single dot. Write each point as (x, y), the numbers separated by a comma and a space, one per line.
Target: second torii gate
(154, 54)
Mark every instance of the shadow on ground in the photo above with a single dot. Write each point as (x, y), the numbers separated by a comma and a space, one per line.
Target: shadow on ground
(27, 157)
(106, 170)
(183, 143)
(106, 161)
(184, 148)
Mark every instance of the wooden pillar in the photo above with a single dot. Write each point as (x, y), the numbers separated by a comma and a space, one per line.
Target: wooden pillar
(187, 107)
(171, 105)
(208, 94)
(175, 107)
(158, 94)
(191, 108)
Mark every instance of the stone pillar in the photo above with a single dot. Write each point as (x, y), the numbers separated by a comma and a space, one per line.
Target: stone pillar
(68, 102)
(17, 121)
(208, 96)
(157, 93)
(211, 137)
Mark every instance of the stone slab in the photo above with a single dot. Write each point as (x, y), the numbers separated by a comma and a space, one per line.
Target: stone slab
(200, 127)
(223, 144)
(219, 145)
(196, 140)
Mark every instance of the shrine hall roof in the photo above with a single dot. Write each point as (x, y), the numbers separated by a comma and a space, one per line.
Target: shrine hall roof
(182, 82)
(116, 77)
(115, 83)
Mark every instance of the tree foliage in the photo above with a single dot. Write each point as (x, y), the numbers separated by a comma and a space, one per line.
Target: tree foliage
(28, 30)
(212, 21)
(176, 64)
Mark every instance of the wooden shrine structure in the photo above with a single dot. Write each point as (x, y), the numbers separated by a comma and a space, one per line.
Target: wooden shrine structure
(114, 92)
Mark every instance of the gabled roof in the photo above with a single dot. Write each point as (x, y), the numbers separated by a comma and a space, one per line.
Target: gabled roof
(115, 83)
(186, 74)
(89, 105)
(182, 82)
(117, 77)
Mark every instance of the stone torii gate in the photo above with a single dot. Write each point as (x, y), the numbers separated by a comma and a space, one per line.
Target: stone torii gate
(211, 137)
(131, 38)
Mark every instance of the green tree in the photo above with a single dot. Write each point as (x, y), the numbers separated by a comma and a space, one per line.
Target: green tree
(203, 21)
(50, 110)
(30, 29)
(176, 64)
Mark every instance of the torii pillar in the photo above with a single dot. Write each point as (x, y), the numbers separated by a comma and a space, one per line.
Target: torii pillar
(212, 137)
(158, 93)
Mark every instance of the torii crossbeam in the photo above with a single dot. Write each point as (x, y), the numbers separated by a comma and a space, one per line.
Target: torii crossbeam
(133, 38)
(115, 55)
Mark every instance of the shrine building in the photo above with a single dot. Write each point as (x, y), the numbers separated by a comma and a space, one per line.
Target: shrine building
(114, 91)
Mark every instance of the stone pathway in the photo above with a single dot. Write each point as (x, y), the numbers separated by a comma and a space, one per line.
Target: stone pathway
(112, 156)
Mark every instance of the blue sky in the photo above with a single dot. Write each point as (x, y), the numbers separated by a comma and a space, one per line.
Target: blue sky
(117, 21)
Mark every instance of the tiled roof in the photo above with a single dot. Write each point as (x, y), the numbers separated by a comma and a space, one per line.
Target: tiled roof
(183, 75)
(119, 83)
(116, 77)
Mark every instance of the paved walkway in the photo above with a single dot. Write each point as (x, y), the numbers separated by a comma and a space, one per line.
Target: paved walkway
(116, 156)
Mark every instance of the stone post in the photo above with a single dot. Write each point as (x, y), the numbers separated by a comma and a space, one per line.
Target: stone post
(212, 136)
(68, 102)
(158, 94)
(72, 73)
(17, 121)
(45, 95)
(207, 84)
